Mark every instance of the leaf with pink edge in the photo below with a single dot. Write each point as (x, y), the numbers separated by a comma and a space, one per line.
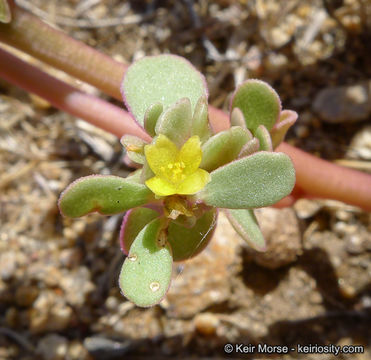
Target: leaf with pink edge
(279, 131)
(264, 138)
(146, 273)
(105, 194)
(254, 181)
(249, 148)
(237, 118)
(161, 79)
(187, 242)
(223, 147)
(176, 122)
(246, 225)
(151, 116)
(200, 121)
(133, 222)
(258, 102)
(134, 147)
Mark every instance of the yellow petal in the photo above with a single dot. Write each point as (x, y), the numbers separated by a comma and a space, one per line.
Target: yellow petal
(160, 154)
(191, 154)
(161, 187)
(193, 183)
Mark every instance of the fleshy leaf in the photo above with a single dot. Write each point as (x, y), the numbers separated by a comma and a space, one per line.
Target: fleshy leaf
(151, 116)
(135, 176)
(187, 242)
(5, 14)
(258, 102)
(249, 148)
(147, 173)
(133, 222)
(223, 147)
(146, 273)
(200, 121)
(264, 138)
(105, 194)
(278, 133)
(246, 225)
(161, 79)
(134, 147)
(237, 118)
(253, 181)
(176, 122)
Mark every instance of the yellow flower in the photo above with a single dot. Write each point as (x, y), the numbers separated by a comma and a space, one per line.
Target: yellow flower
(176, 170)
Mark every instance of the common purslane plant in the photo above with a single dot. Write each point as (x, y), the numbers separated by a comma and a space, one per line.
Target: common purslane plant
(186, 171)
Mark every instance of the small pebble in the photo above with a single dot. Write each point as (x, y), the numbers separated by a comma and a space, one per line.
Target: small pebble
(76, 351)
(103, 348)
(11, 317)
(53, 347)
(354, 244)
(26, 295)
(344, 104)
(206, 323)
(306, 208)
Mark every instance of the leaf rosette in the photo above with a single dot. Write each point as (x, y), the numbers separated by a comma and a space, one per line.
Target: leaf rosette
(186, 171)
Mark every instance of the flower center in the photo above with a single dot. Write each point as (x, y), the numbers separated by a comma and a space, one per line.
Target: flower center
(174, 171)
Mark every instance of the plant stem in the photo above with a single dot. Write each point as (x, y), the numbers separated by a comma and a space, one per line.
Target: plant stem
(321, 179)
(29, 34)
(315, 177)
(65, 97)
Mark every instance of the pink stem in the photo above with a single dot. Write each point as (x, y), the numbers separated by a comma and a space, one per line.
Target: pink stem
(65, 97)
(28, 33)
(321, 179)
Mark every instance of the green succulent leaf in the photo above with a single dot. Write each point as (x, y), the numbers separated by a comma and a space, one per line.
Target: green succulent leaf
(135, 176)
(146, 273)
(237, 118)
(200, 121)
(258, 102)
(161, 79)
(151, 116)
(223, 147)
(254, 181)
(246, 225)
(133, 222)
(187, 242)
(105, 194)
(147, 173)
(176, 122)
(249, 148)
(264, 137)
(279, 131)
(5, 14)
(134, 147)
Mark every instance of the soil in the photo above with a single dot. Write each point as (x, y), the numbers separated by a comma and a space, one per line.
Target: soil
(59, 297)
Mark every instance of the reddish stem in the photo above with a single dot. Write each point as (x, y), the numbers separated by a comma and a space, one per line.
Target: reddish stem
(318, 178)
(67, 98)
(28, 33)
